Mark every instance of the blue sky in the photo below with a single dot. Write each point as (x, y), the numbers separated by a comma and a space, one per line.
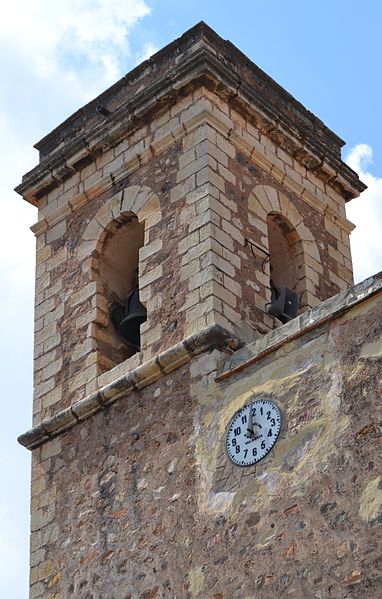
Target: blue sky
(54, 57)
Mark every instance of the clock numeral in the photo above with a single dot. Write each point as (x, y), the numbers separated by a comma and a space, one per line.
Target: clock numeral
(268, 415)
(234, 442)
(261, 411)
(270, 433)
(237, 448)
(254, 452)
(244, 419)
(253, 411)
(237, 431)
(273, 422)
(262, 445)
(245, 452)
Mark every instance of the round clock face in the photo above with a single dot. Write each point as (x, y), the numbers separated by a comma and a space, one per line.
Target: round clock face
(253, 432)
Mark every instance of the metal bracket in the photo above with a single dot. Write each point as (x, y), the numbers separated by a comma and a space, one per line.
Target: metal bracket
(252, 245)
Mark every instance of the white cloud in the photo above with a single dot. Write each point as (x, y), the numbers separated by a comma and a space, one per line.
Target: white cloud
(148, 50)
(366, 213)
(54, 56)
(43, 33)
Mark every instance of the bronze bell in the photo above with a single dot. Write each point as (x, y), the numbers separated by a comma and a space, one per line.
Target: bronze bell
(127, 319)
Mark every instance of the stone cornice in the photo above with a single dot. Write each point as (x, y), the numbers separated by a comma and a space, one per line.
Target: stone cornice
(199, 58)
(212, 337)
(161, 144)
(205, 340)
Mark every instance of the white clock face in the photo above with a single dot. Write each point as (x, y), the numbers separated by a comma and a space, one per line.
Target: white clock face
(253, 432)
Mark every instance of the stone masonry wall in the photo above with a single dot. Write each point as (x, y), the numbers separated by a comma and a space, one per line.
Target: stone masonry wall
(202, 180)
(140, 501)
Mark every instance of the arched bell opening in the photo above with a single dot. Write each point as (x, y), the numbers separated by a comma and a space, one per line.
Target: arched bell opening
(285, 255)
(118, 284)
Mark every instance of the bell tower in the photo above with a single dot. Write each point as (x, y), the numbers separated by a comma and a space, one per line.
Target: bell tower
(189, 211)
(204, 192)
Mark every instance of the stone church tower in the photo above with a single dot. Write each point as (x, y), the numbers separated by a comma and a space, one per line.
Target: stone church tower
(175, 210)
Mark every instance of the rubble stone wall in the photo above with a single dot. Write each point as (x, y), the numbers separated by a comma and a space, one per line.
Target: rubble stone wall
(141, 501)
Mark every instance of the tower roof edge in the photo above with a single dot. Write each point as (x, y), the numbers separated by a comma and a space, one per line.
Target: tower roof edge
(200, 57)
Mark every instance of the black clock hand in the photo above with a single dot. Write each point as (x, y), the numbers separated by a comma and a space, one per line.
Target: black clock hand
(250, 425)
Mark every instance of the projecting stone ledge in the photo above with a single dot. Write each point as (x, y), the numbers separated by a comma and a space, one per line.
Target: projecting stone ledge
(212, 337)
(302, 325)
(199, 58)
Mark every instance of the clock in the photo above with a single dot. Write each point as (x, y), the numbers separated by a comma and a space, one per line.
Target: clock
(253, 431)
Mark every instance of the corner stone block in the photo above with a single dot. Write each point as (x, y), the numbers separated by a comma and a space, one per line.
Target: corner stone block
(199, 194)
(42, 283)
(56, 232)
(214, 318)
(311, 274)
(182, 189)
(198, 311)
(85, 249)
(52, 397)
(42, 517)
(333, 228)
(210, 273)
(191, 268)
(43, 254)
(188, 242)
(150, 335)
(52, 342)
(83, 378)
(196, 251)
(84, 294)
(151, 220)
(211, 258)
(225, 295)
(48, 331)
(151, 248)
(345, 273)
(314, 264)
(191, 299)
(151, 276)
(195, 137)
